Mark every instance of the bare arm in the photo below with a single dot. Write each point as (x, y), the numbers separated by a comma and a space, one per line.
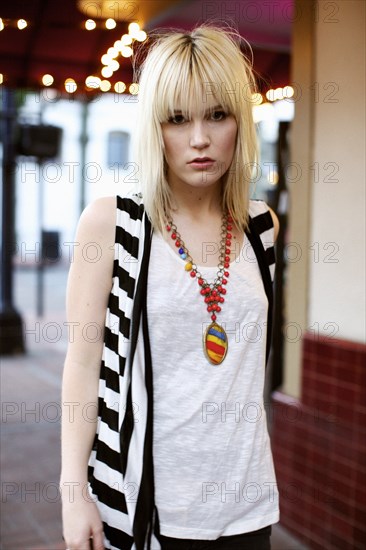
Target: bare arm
(88, 289)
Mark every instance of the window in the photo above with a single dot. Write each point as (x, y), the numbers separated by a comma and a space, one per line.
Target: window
(118, 145)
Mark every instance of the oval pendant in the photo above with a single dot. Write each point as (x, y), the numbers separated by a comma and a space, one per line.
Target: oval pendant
(215, 344)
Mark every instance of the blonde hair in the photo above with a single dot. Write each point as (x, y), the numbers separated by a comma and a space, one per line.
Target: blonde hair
(181, 68)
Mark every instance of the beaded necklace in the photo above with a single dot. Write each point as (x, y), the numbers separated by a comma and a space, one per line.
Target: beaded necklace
(215, 342)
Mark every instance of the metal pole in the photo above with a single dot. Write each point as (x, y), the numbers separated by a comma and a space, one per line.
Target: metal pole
(40, 259)
(11, 327)
(83, 144)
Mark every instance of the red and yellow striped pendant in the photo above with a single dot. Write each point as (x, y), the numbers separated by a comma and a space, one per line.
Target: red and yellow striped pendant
(215, 344)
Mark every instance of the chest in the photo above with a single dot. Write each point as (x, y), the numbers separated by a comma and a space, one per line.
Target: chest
(206, 242)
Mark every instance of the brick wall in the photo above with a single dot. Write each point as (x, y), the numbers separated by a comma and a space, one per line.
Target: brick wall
(319, 447)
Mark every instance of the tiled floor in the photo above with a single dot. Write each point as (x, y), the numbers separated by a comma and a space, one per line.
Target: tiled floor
(30, 442)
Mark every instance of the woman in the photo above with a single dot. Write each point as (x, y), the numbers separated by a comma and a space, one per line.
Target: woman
(167, 405)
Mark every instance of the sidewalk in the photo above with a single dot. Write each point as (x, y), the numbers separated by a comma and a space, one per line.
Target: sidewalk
(30, 435)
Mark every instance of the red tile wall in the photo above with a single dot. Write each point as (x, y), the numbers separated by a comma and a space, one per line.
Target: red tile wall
(319, 447)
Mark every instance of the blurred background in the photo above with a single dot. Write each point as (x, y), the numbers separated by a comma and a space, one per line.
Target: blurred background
(68, 111)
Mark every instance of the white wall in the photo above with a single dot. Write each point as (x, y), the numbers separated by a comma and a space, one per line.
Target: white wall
(337, 278)
(325, 288)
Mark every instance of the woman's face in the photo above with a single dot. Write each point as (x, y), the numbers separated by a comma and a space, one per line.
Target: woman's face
(199, 150)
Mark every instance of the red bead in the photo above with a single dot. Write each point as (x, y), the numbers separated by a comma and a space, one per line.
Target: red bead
(224, 281)
(200, 282)
(221, 300)
(218, 309)
(207, 290)
(168, 227)
(223, 291)
(209, 308)
(207, 299)
(177, 243)
(227, 250)
(227, 258)
(213, 317)
(214, 293)
(193, 274)
(227, 242)
(227, 274)
(229, 227)
(226, 264)
(202, 291)
(173, 236)
(219, 288)
(228, 235)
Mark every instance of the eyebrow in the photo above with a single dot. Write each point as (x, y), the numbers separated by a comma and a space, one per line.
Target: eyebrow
(214, 108)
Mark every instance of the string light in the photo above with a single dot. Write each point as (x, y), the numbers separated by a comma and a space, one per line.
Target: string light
(259, 106)
(107, 72)
(114, 65)
(92, 82)
(280, 93)
(47, 80)
(134, 88)
(112, 52)
(105, 85)
(105, 59)
(126, 40)
(110, 23)
(22, 24)
(119, 87)
(126, 51)
(90, 24)
(141, 36)
(124, 48)
(133, 29)
(288, 92)
(257, 99)
(120, 47)
(70, 85)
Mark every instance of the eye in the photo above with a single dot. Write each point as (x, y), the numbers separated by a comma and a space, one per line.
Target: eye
(218, 115)
(177, 119)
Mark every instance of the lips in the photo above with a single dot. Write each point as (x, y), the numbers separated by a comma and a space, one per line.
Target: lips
(201, 159)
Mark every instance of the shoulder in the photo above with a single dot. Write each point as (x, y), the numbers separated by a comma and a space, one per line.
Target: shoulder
(99, 210)
(267, 217)
(98, 219)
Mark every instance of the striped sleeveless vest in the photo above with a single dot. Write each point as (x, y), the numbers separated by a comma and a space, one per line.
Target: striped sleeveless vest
(121, 462)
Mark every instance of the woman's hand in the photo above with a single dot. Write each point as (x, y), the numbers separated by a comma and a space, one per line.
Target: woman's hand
(82, 522)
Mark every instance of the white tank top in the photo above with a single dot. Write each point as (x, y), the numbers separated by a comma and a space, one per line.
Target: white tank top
(213, 464)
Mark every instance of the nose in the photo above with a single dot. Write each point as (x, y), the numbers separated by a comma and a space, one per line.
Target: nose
(199, 138)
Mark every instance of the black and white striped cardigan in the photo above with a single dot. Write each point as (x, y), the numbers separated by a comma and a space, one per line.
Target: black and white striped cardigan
(121, 462)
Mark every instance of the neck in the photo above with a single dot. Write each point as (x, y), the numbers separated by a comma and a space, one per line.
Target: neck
(193, 202)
